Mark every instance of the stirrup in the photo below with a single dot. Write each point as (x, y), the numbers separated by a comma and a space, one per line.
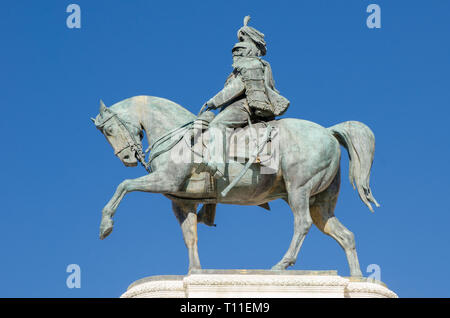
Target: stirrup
(214, 170)
(211, 168)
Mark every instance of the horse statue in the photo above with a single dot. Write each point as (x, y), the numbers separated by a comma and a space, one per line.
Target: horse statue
(307, 177)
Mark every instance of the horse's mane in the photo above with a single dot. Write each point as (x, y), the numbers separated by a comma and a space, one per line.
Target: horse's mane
(165, 108)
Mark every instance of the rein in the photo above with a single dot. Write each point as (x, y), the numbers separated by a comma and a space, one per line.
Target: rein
(181, 129)
(134, 145)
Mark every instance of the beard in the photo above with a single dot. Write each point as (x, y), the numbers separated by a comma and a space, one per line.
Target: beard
(239, 61)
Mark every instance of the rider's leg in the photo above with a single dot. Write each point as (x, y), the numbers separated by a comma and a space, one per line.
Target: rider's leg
(235, 115)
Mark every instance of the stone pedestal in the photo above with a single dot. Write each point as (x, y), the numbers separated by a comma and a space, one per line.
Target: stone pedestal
(257, 284)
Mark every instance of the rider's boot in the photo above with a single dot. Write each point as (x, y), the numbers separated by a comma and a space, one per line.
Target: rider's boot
(214, 162)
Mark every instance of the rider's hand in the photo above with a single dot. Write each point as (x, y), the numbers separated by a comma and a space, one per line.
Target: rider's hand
(210, 104)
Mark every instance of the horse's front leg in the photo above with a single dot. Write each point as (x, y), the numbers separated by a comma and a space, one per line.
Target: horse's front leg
(154, 182)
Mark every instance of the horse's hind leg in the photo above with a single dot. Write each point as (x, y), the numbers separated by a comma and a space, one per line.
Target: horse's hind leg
(322, 213)
(298, 199)
(186, 215)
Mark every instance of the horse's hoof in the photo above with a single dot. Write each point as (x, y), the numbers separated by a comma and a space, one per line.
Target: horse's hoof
(106, 228)
(278, 267)
(194, 269)
(357, 274)
(105, 233)
(283, 265)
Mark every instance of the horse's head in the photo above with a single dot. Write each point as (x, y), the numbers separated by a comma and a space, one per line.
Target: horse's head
(124, 136)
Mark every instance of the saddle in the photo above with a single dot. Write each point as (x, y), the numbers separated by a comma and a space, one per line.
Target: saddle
(241, 144)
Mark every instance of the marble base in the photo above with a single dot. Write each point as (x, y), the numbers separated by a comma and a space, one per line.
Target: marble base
(257, 284)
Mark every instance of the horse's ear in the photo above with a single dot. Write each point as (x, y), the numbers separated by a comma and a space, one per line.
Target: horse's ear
(93, 120)
(102, 107)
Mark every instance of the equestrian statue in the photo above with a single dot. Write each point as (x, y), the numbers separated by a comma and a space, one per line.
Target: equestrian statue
(244, 155)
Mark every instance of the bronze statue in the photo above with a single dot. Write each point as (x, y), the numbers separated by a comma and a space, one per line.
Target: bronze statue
(307, 175)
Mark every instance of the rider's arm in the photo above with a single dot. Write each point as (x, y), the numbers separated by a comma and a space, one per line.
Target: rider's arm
(233, 89)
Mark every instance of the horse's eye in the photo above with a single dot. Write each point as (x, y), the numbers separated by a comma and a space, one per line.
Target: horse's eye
(109, 131)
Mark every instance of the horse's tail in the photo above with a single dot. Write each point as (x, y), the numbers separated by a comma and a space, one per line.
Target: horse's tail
(359, 141)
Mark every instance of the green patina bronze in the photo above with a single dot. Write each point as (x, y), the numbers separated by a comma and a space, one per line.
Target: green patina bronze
(306, 176)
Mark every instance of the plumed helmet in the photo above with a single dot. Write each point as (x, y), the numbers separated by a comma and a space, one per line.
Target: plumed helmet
(247, 33)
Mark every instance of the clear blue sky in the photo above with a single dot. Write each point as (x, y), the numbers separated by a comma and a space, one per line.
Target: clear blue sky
(58, 171)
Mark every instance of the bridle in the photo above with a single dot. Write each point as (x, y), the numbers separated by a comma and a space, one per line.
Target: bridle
(134, 145)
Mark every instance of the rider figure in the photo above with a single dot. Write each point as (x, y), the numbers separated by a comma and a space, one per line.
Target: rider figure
(249, 92)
